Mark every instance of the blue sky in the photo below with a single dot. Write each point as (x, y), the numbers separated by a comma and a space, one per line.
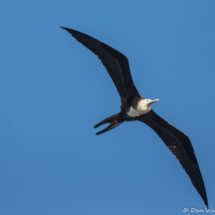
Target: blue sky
(53, 91)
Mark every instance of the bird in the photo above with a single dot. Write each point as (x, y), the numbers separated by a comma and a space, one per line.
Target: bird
(136, 108)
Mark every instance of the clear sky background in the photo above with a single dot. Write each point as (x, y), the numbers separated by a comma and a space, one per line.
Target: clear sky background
(53, 91)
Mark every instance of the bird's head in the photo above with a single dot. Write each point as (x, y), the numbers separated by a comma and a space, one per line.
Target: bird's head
(149, 102)
(144, 105)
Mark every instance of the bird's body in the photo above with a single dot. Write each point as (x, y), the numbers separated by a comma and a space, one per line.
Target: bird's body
(140, 108)
(135, 107)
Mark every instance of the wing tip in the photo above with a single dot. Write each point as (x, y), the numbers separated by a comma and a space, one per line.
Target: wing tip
(67, 29)
(73, 32)
(206, 201)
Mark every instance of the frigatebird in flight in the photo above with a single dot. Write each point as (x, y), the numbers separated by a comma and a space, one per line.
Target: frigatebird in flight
(135, 107)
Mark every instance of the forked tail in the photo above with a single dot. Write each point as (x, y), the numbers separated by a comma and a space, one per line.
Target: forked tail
(113, 120)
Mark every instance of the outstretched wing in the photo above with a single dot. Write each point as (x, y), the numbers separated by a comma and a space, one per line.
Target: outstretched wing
(180, 145)
(115, 62)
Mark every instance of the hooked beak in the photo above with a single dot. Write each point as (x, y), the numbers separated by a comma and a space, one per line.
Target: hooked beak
(153, 101)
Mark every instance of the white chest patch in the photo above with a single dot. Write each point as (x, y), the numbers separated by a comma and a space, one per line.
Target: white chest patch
(132, 112)
(142, 108)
